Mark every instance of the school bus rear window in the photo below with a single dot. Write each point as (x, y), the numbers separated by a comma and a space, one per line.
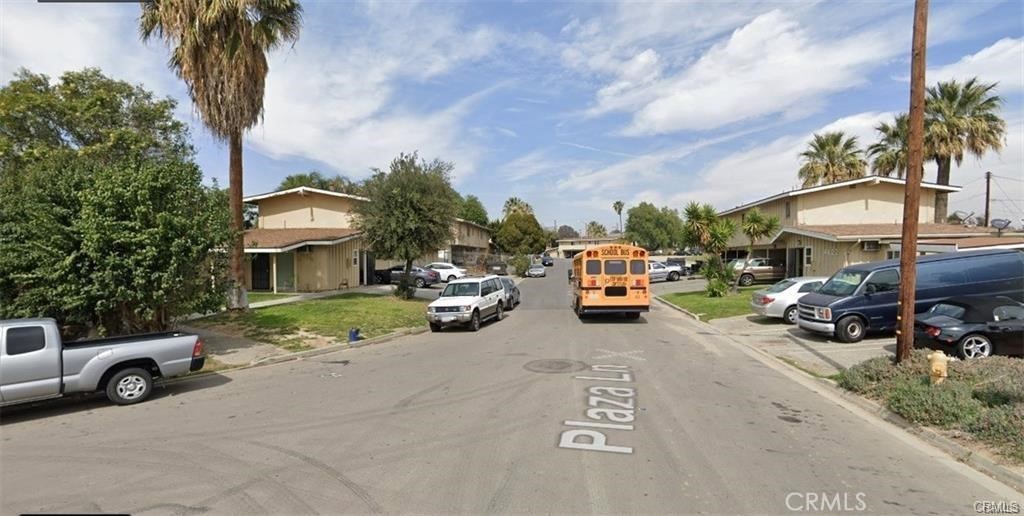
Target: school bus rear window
(637, 267)
(615, 267)
(593, 266)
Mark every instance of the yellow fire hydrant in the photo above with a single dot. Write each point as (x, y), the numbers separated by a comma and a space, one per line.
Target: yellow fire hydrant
(938, 362)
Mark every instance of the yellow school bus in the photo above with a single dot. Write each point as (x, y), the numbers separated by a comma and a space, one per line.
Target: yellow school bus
(610, 279)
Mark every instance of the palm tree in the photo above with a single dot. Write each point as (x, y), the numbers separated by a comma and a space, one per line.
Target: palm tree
(756, 226)
(596, 230)
(961, 117)
(220, 50)
(889, 154)
(698, 224)
(516, 205)
(830, 158)
(617, 206)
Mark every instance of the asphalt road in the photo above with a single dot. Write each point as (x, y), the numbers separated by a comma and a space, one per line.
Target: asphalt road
(458, 422)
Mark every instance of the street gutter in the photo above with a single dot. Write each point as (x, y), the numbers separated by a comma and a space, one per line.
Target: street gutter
(960, 453)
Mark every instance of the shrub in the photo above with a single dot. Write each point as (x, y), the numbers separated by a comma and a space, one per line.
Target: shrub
(875, 376)
(1004, 425)
(716, 288)
(519, 263)
(947, 405)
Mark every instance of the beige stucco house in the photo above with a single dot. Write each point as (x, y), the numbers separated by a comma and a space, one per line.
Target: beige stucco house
(825, 228)
(305, 240)
(568, 247)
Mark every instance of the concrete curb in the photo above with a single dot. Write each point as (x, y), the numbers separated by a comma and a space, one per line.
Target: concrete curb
(299, 355)
(957, 451)
(684, 311)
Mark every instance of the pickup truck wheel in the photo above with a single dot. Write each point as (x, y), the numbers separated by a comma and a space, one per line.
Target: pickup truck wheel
(747, 280)
(419, 283)
(850, 329)
(673, 276)
(129, 386)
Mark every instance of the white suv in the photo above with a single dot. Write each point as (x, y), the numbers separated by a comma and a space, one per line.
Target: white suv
(467, 301)
(447, 271)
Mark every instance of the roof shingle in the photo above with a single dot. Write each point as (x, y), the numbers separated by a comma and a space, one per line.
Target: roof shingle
(280, 238)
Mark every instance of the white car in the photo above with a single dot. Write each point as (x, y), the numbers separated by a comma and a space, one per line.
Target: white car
(779, 300)
(447, 271)
(467, 302)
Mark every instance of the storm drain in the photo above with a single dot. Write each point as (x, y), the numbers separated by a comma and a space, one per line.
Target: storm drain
(555, 366)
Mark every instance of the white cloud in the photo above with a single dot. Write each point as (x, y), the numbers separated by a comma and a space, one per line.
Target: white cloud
(1003, 61)
(507, 132)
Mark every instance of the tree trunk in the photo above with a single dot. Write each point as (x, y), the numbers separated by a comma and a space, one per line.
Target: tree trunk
(746, 260)
(942, 198)
(237, 298)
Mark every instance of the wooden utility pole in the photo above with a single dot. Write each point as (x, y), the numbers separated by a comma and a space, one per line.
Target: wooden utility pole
(912, 195)
(988, 189)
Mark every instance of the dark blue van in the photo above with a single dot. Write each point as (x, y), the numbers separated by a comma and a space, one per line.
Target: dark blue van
(862, 298)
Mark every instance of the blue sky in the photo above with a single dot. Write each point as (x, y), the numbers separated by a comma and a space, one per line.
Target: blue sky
(572, 106)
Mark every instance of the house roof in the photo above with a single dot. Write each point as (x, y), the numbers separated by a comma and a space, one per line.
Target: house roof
(471, 223)
(301, 190)
(589, 239)
(282, 240)
(977, 242)
(848, 232)
(874, 180)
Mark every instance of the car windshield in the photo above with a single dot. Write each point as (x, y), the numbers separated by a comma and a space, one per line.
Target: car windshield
(843, 283)
(954, 311)
(780, 286)
(461, 289)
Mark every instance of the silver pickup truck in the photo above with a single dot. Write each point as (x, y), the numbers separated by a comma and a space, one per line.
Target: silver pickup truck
(35, 364)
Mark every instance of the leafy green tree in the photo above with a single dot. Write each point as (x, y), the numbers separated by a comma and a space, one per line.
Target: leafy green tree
(961, 118)
(519, 263)
(314, 179)
(653, 229)
(831, 157)
(86, 114)
(703, 228)
(520, 233)
(756, 226)
(596, 230)
(112, 248)
(565, 232)
(220, 50)
(516, 205)
(412, 211)
(473, 210)
(617, 206)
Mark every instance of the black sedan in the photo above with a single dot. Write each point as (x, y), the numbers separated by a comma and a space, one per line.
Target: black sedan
(973, 326)
(547, 261)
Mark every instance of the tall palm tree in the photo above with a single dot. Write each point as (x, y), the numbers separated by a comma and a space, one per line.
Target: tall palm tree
(961, 118)
(516, 205)
(617, 206)
(889, 154)
(755, 225)
(220, 50)
(831, 157)
(596, 230)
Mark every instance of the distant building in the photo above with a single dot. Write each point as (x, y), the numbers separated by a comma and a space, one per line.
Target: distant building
(568, 247)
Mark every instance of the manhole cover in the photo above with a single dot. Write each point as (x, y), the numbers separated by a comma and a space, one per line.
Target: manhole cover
(555, 366)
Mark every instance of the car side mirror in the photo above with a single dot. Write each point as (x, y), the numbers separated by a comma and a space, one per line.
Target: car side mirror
(870, 289)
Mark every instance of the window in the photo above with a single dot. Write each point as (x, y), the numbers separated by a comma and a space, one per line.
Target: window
(780, 286)
(461, 289)
(887, 280)
(954, 311)
(1005, 313)
(940, 274)
(637, 267)
(593, 266)
(25, 340)
(787, 210)
(355, 257)
(615, 267)
(892, 255)
(809, 287)
(807, 256)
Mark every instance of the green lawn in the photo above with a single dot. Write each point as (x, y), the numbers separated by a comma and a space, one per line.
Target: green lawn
(713, 307)
(256, 297)
(329, 317)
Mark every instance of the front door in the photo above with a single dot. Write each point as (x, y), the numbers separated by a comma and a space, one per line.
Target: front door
(261, 271)
(794, 262)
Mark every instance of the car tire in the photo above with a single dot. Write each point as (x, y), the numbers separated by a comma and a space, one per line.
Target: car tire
(790, 315)
(673, 276)
(474, 321)
(850, 329)
(452, 278)
(974, 345)
(435, 327)
(746, 280)
(129, 386)
(419, 283)
(500, 313)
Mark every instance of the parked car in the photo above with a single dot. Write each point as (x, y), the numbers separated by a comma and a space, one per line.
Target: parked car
(499, 268)
(447, 271)
(38, 365)
(759, 269)
(674, 270)
(536, 271)
(468, 302)
(547, 261)
(972, 326)
(679, 262)
(780, 300)
(512, 294)
(656, 271)
(862, 298)
(420, 277)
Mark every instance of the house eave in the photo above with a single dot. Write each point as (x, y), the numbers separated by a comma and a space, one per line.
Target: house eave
(292, 247)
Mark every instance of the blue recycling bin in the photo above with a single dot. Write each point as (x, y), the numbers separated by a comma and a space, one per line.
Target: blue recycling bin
(353, 334)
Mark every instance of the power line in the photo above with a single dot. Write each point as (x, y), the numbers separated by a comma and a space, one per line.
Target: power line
(1009, 178)
(1008, 207)
(1008, 195)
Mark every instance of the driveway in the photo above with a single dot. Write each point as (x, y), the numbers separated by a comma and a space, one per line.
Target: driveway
(504, 420)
